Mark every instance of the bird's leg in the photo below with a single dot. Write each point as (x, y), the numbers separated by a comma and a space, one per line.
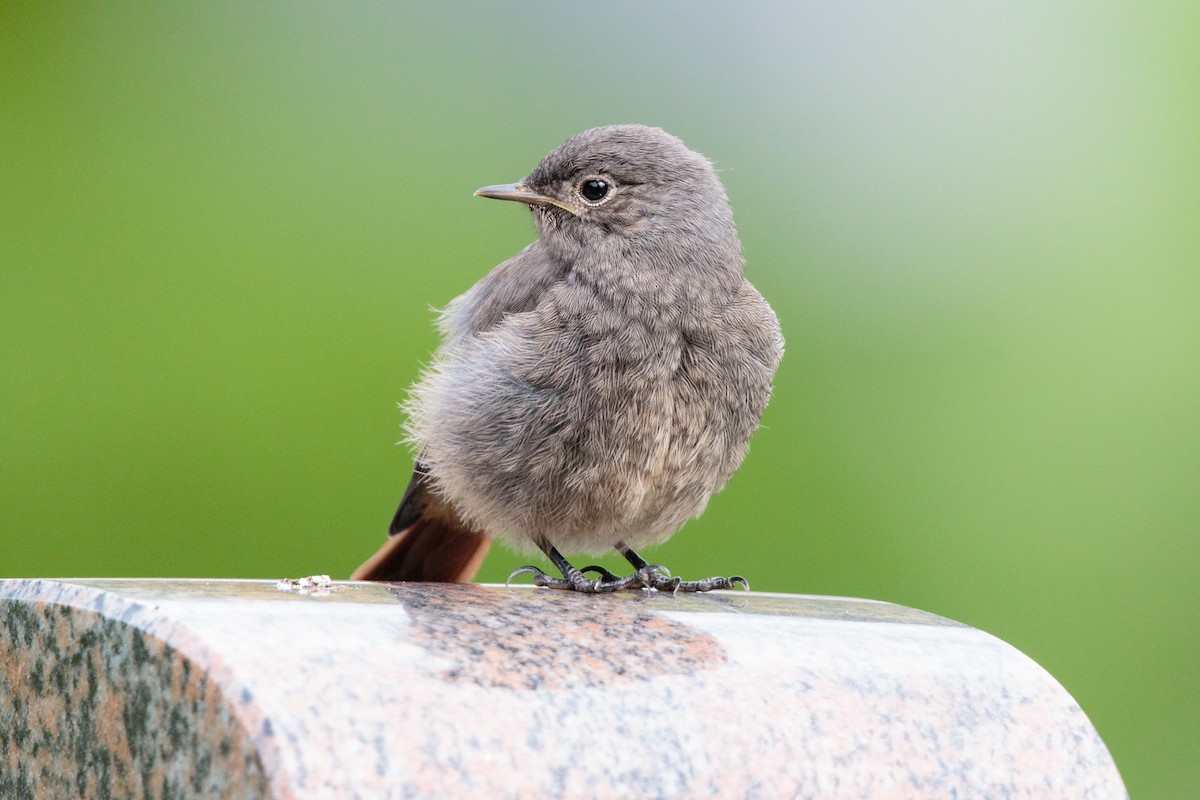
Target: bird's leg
(645, 576)
(656, 576)
(631, 556)
(573, 579)
(652, 575)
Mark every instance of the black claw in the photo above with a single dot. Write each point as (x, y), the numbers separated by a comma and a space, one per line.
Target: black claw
(527, 569)
(604, 574)
(539, 578)
(519, 571)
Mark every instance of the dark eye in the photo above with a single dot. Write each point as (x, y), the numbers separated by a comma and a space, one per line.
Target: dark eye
(594, 190)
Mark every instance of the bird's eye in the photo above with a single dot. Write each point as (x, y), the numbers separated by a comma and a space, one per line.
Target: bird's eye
(594, 189)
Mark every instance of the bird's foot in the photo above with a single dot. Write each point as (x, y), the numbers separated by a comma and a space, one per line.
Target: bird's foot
(705, 585)
(650, 576)
(573, 580)
(659, 578)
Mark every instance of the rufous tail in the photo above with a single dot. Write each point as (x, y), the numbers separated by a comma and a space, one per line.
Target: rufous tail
(430, 549)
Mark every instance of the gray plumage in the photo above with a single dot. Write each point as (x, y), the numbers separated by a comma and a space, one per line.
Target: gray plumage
(597, 388)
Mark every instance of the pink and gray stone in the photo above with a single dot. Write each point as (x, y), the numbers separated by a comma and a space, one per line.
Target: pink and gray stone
(249, 689)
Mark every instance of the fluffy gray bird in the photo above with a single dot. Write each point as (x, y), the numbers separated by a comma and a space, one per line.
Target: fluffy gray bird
(597, 388)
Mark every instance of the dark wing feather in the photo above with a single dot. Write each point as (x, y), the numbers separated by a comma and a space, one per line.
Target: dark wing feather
(414, 502)
(428, 541)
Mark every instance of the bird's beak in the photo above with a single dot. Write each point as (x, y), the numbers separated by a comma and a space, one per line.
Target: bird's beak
(519, 192)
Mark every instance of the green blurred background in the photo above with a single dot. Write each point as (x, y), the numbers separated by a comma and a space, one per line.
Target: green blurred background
(222, 228)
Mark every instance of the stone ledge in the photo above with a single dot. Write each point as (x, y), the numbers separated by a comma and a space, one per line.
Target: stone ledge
(236, 689)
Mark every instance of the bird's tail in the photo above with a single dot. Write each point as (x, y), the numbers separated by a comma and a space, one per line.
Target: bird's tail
(432, 548)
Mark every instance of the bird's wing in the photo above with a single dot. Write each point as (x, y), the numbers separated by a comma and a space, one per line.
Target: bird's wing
(427, 541)
(514, 286)
(414, 502)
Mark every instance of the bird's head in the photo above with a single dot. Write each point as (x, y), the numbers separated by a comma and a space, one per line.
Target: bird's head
(620, 184)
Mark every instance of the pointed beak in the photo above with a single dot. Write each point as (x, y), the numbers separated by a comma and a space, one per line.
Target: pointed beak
(519, 192)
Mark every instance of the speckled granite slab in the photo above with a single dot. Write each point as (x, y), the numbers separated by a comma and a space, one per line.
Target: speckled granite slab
(237, 689)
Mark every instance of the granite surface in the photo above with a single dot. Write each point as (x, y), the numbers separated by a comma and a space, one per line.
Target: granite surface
(247, 689)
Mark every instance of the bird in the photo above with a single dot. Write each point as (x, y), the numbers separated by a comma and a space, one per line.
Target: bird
(594, 391)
